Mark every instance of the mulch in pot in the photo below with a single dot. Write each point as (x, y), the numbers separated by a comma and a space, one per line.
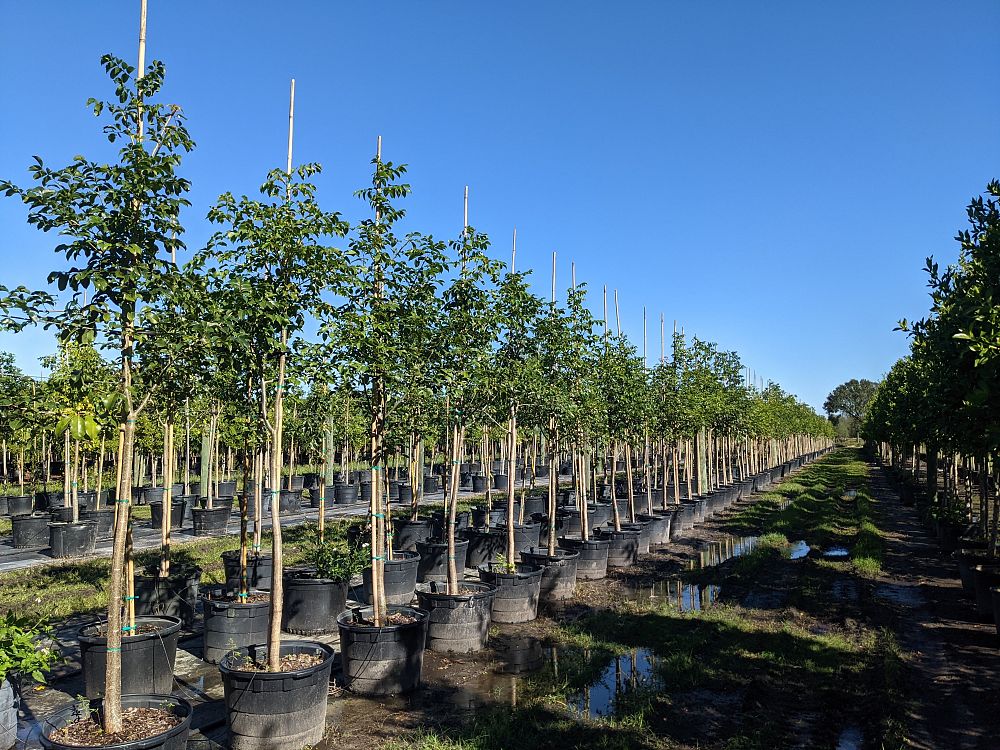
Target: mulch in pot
(137, 724)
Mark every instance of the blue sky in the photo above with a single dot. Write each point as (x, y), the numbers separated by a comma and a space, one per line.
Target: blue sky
(771, 175)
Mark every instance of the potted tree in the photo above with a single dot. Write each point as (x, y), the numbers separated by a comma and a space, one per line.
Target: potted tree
(119, 224)
(271, 257)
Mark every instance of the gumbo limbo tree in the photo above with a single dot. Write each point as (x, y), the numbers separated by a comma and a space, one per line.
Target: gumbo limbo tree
(118, 224)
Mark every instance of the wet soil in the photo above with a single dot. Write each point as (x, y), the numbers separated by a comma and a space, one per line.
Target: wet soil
(137, 724)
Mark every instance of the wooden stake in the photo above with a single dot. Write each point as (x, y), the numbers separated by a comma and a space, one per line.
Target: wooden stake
(618, 319)
(465, 219)
(553, 278)
(645, 359)
(513, 251)
(605, 314)
(572, 273)
(662, 349)
(291, 125)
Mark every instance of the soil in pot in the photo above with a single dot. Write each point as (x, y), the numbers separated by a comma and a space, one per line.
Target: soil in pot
(147, 657)
(173, 596)
(149, 722)
(382, 660)
(312, 604)
(457, 623)
(592, 564)
(259, 568)
(232, 623)
(516, 598)
(400, 578)
(72, 539)
(433, 565)
(558, 571)
(277, 710)
(31, 530)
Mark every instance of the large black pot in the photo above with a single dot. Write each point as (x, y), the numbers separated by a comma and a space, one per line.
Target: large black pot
(72, 539)
(985, 577)
(558, 571)
(272, 710)
(231, 624)
(592, 564)
(176, 514)
(967, 559)
(516, 599)
(345, 494)
(61, 515)
(405, 494)
(104, 518)
(311, 604)
(152, 495)
(19, 505)
(31, 530)
(479, 483)
(457, 623)
(225, 489)
(174, 596)
(407, 533)
(259, 568)
(433, 564)
(526, 535)
(210, 521)
(484, 546)
(174, 738)
(386, 660)
(147, 658)
(290, 501)
(430, 485)
(658, 527)
(624, 547)
(400, 578)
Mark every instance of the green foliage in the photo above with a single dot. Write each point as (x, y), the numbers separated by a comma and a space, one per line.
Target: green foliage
(851, 400)
(21, 654)
(333, 558)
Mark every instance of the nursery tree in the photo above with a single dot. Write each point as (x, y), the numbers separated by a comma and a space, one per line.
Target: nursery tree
(120, 224)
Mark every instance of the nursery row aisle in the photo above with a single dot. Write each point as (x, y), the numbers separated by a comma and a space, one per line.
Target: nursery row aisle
(953, 661)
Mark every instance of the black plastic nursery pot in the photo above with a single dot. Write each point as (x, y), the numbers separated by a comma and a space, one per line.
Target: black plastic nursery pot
(385, 660)
(312, 604)
(174, 738)
(500, 481)
(534, 505)
(405, 494)
(259, 569)
(592, 563)
(176, 514)
(232, 624)
(19, 505)
(479, 483)
(623, 549)
(31, 530)
(346, 494)
(440, 522)
(456, 623)
(526, 535)
(433, 565)
(290, 501)
(558, 571)
(174, 596)
(276, 710)
(644, 534)
(995, 598)
(210, 521)
(228, 489)
(72, 539)
(516, 598)
(366, 492)
(400, 578)
(985, 577)
(147, 657)
(430, 484)
(104, 518)
(61, 515)
(484, 546)
(659, 528)
(152, 495)
(966, 559)
(407, 533)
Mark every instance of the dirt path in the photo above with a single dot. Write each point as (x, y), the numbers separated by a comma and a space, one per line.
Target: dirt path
(952, 661)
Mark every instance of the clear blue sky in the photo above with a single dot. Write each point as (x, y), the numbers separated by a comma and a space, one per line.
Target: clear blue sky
(770, 174)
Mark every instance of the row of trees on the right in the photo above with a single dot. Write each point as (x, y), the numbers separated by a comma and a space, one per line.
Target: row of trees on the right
(938, 409)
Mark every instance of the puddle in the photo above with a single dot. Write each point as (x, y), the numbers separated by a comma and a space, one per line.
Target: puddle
(907, 596)
(623, 675)
(844, 589)
(716, 553)
(850, 495)
(835, 552)
(799, 549)
(850, 739)
(687, 597)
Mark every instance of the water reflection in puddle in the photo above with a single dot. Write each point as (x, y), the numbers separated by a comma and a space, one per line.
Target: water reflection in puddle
(687, 597)
(716, 553)
(799, 549)
(624, 674)
(835, 552)
(850, 739)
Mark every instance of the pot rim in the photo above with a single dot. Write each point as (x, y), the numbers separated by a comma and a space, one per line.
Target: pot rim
(174, 701)
(344, 619)
(326, 649)
(173, 626)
